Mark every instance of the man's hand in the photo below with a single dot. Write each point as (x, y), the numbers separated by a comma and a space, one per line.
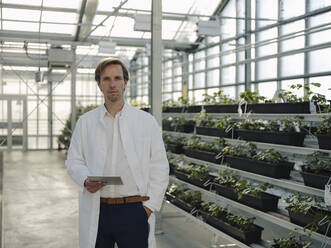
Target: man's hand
(148, 211)
(93, 186)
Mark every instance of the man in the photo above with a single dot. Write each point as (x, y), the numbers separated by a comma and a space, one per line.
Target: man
(116, 139)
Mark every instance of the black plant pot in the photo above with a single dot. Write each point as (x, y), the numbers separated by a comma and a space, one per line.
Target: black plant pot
(283, 138)
(324, 141)
(194, 109)
(217, 132)
(225, 108)
(280, 170)
(166, 126)
(248, 237)
(185, 128)
(315, 180)
(202, 155)
(282, 108)
(175, 148)
(264, 202)
(184, 177)
(302, 219)
(174, 110)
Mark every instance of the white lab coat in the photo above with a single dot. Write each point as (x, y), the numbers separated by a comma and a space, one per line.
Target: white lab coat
(144, 149)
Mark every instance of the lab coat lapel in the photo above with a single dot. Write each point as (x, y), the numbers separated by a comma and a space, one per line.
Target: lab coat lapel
(129, 149)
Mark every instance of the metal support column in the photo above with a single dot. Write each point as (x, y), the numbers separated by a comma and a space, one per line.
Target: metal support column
(248, 56)
(279, 49)
(10, 125)
(156, 55)
(73, 89)
(185, 72)
(25, 125)
(307, 44)
(50, 112)
(237, 52)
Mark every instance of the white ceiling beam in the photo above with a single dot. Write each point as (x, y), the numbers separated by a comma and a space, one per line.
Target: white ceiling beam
(63, 39)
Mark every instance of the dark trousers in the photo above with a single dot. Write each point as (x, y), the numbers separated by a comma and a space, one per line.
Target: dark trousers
(123, 224)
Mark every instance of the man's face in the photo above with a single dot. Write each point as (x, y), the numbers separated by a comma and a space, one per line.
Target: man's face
(112, 83)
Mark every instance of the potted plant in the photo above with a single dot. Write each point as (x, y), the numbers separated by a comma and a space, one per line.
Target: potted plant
(231, 186)
(168, 124)
(323, 133)
(219, 103)
(290, 242)
(183, 125)
(312, 216)
(213, 127)
(183, 198)
(240, 228)
(174, 162)
(265, 162)
(196, 148)
(282, 131)
(195, 174)
(317, 170)
(311, 102)
(174, 144)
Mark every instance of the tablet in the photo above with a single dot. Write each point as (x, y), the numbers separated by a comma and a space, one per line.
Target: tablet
(108, 180)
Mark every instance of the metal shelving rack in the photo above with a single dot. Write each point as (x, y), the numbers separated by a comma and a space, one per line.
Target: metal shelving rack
(273, 220)
(262, 218)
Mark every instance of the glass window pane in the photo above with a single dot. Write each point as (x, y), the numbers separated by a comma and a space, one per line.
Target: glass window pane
(267, 89)
(228, 53)
(228, 75)
(228, 26)
(290, 9)
(229, 91)
(292, 65)
(318, 4)
(241, 13)
(322, 36)
(213, 78)
(266, 9)
(319, 60)
(325, 86)
(267, 69)
(264, 50)
(199, 80)
(293, 43)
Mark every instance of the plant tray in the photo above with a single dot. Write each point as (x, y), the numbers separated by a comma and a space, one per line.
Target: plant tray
(315, 180)
(194, 109)
(324, 141)
(186, 128)
(167, 127)
(282, 108)
(302, 219)
(247, 237)
(225, 108)
(209, 131)
(184, 177)
(283, 138)
(145, 109)
(281, 170)
(183, 205)
(174, 110)
(265, 202)
(202, 155)
(175, 148)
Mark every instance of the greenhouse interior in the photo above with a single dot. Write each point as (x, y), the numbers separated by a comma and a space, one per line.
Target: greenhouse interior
(241, 93)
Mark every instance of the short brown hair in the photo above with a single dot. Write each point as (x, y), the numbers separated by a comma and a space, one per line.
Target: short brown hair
(110, 61)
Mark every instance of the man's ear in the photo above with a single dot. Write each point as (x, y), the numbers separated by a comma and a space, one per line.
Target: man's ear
(99, 85)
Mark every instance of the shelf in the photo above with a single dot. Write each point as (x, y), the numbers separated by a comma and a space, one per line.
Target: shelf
(208, 227)
(281, 148)
(306, 117)
(259, 215)
(282, 183)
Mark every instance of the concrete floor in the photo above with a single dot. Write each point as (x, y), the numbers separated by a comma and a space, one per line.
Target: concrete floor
(40, 207)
